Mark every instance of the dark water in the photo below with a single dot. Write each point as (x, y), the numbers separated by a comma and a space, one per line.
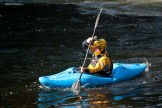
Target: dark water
(40, 38)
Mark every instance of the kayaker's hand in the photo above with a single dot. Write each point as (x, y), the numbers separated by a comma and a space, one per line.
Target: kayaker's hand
(82, 69)
(90, 39)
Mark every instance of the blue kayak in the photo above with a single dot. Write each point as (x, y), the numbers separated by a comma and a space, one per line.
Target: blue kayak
(121, 72)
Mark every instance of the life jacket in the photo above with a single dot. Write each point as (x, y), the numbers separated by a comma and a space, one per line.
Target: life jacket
(101, 64)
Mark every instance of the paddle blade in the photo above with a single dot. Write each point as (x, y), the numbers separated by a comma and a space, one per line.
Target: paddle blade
(98, 17)
(96, 23)
(76, 85)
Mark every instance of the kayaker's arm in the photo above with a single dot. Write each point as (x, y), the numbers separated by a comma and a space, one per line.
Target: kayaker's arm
(96, 69)
(99, 67)
(87, 70)
(102, 65)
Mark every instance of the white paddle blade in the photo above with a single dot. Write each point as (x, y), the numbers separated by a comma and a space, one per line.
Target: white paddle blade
(96, 23)
(98, 17)
(76, 85)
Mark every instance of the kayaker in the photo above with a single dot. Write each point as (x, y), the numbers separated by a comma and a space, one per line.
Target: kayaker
(101, 62)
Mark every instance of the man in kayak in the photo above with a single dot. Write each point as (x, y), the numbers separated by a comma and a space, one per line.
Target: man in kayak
(100, 63)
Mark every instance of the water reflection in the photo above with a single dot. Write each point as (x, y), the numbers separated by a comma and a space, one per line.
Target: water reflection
(56, 98)
(109, 96)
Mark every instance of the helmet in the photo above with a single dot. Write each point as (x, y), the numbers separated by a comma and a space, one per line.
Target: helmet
(100, 43)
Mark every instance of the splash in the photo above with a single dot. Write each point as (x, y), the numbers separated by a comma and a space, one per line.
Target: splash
(148, 65)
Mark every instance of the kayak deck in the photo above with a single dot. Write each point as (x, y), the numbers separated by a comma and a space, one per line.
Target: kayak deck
(121, 72)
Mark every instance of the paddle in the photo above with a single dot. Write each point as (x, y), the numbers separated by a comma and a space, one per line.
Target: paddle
(76, 85)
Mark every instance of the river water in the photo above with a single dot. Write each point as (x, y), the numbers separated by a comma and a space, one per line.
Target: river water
(43, 37)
